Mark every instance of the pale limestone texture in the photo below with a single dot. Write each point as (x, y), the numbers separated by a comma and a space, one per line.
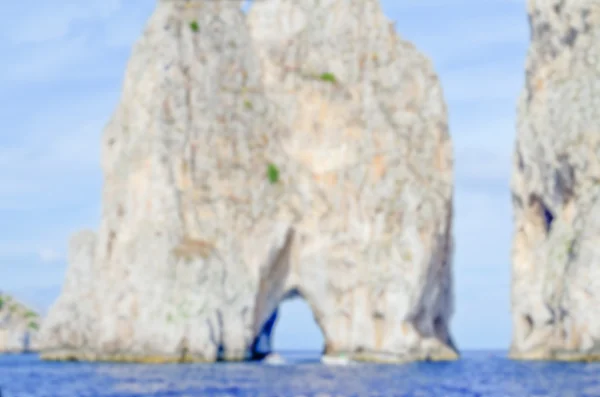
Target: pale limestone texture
(18, 326)
(300, 151)
(556, 186)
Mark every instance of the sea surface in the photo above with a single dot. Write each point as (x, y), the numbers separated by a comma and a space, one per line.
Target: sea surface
(476, 374)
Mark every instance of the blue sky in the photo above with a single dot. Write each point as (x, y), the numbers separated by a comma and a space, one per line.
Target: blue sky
(61, 69)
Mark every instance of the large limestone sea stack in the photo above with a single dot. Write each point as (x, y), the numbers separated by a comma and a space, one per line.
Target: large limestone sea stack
(556, 187)
(301, 150)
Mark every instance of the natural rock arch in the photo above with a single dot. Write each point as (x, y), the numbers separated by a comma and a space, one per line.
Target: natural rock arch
(250, 158)
(264, 343)
(279, 282)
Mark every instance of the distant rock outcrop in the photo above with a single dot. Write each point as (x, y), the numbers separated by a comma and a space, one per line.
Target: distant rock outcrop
(302, 150)
(18, 326)
(556, 187)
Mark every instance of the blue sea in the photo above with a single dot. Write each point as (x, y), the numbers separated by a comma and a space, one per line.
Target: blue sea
(476, 374)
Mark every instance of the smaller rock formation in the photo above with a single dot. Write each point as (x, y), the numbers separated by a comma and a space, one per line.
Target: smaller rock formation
(556, 187)
(18, 326)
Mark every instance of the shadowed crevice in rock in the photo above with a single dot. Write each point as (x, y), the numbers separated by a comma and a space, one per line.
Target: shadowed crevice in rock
(262, 345)
(541, 211)
(274, 280)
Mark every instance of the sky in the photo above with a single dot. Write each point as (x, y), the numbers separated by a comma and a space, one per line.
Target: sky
(61, 70)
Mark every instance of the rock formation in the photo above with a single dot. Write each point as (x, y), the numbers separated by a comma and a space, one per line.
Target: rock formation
(18, 326)
(300, 151)
(556, 186)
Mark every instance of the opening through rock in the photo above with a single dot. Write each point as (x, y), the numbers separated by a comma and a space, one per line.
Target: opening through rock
(290, 332)
(246, 4)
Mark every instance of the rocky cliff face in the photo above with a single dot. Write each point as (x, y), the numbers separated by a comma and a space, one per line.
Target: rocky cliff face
(556, 186)
(252, 159)
(18, 326)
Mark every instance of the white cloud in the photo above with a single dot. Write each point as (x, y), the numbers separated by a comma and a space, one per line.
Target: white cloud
(32, 241)
(483, 154)
(51, 177)
(69, 41)
(482, 319)
(479, 163)
(453, 4)
(122, 29)
(60, 145)
(483, 232)
(43, 62)
(15, 249)
(483, 82)
(455, 31)
(483, 228)
(38, 22)
(49, 255)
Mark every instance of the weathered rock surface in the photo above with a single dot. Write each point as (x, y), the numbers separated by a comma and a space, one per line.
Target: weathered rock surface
(18, 326)
(302, 150)
(372, 166)
(556, 187)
